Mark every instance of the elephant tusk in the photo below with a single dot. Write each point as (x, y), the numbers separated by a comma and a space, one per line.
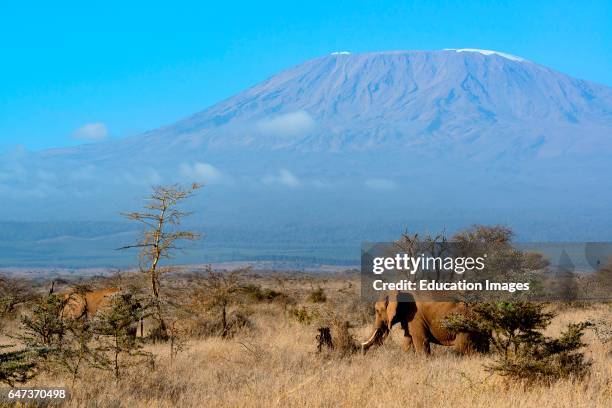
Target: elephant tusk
(371, 340)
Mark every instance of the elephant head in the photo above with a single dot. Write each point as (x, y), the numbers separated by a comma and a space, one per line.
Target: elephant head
(398, 307)
(85, 304)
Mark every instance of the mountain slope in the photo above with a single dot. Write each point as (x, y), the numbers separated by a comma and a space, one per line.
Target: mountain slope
(392, 99)
(427, 138)
(440, 100)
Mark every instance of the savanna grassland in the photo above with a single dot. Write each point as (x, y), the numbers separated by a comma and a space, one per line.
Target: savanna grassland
(268, 355)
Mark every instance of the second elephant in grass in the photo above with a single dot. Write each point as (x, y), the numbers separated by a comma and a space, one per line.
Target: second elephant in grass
(421, 322)
(86, 305)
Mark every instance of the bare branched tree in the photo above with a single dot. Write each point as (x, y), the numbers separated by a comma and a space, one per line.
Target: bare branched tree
(13, 293)
(413, 245)
(159, 240)
(218, 291)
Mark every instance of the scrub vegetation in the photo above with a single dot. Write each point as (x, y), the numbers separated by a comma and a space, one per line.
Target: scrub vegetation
(247, 343)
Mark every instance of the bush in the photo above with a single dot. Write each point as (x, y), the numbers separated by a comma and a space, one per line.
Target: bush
(337, 339)
(14, 293)
(317, 295)
(522, 352)
(118, 347)
(257, 294)
(45, 326)
(237, 322)
(217, 293)
(344, 341)
(546, 359)
(303, 315)
(17, 366)
(602, 328)
(66, 343)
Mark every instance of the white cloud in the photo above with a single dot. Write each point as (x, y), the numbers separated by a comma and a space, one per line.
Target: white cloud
(289, 124)
(381, 184)
(93, 132)
(287, 178)
(201, 172)
(284, 178)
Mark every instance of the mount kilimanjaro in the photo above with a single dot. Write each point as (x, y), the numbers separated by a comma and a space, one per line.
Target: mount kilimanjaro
(345, 148)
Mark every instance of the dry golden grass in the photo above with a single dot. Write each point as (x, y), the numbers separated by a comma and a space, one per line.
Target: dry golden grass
(276, 364)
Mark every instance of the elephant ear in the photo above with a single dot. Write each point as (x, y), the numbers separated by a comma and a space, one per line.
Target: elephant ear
(400, 307)
(391, 312)
(75, 307)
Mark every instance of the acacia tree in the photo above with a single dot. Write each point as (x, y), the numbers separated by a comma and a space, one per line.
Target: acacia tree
(413, 245)
(161, 218)
(218, 291)
(117, 346)
(14, 292)
(44, 326)
(523, 352)
(62, 343)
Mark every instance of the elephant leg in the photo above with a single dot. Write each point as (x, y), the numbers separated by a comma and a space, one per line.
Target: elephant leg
(407, 341)
(420, 335)
(461, 343)
(421, 344)
(465, 343)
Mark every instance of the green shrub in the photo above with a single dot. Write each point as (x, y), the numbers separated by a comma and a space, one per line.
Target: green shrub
(303, 315)
(522, 351)
(116, 326)
(317, 295)
(258, 294)
(65, 342)
(546, 359)
(17, 366)
(45, 326)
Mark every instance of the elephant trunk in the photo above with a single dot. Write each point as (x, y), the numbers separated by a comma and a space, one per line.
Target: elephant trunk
(377, 337)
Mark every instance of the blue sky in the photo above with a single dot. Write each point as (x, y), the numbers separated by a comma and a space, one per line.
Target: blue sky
(77, 72)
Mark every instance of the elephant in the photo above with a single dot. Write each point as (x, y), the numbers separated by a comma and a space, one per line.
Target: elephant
(86, 305)
(421, 322)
